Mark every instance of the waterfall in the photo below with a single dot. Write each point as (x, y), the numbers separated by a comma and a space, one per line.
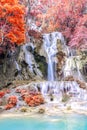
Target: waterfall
(57, 88)
(28, 58)
(50, 50)
(50, 47)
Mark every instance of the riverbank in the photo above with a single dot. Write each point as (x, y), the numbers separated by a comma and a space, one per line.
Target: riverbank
(50, 109)
(54, 98)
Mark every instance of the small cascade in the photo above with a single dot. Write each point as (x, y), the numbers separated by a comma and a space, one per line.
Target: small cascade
(67, 69)
(28, 58)
(17, 66)
(50, 47)
(58, 88)
(70, 68)
(54, 50)
(30, 61)
(72, 65)
(78, 71)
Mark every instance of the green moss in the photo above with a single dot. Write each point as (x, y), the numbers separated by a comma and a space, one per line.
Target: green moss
(41, 61)
(43, 68)
(65, 98)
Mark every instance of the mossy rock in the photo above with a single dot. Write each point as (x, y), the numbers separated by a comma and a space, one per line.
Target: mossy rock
(41, 110)
(23, 109)
(65, 98)
(43, 68)
(42, 65)
(69, 108)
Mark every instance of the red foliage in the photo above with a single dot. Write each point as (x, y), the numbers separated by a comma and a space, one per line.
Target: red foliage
(18, 90)
(35, 34)
(34, 100)
(12, 25)
(79, 38)
(9, 106)
(66, 16)
(2, 94)
(31, 98)
(7, 91)
(12, 100)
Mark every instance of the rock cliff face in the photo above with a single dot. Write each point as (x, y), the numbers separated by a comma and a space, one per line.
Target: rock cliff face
(25, 64)
(8, 68)
(30, 62)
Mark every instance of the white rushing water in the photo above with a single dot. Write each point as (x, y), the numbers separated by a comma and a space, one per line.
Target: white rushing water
(58, 88)
(72, 67)
(50, 46)
(51, 86)
(29, 59)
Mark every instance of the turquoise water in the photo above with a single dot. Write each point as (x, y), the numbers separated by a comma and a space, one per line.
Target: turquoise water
(65, 122)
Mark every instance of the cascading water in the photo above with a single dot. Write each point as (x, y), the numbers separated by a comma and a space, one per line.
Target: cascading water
(69, 66)
(72, 66)
(78, 70)
(52, 86)
(50, 46)
(58, 87)
(28, 58)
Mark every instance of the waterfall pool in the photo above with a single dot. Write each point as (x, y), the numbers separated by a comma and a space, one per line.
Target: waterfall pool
(64, 122)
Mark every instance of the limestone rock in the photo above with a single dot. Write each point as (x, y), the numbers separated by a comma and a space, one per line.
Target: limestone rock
(23, 109)
(41, 111)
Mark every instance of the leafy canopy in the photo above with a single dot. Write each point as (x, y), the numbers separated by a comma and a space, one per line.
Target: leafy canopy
(12, 24)
(66, 16)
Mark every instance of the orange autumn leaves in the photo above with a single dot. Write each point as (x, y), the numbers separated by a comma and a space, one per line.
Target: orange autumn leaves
(12, 101)
(31, 98)
(12, 24)
(11, 2)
